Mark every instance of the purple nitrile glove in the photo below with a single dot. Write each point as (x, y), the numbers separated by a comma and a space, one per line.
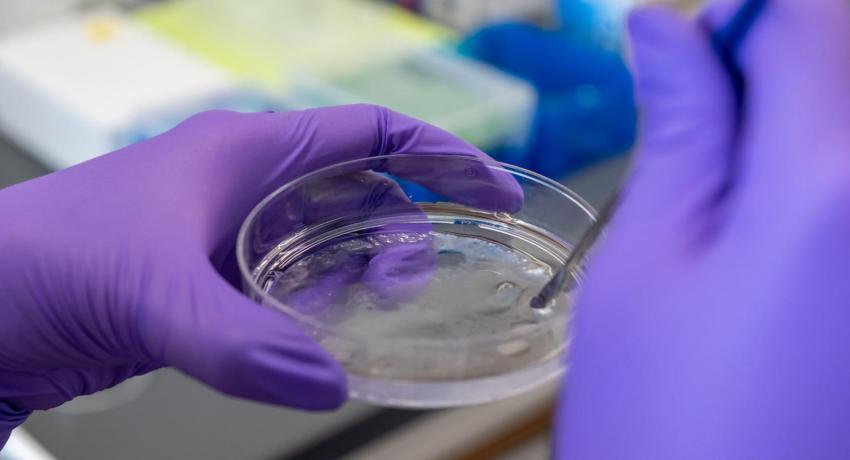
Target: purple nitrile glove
(113, 268)
(714, 319)
(395, 272)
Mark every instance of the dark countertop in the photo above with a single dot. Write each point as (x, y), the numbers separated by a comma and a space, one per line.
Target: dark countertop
(15, 165)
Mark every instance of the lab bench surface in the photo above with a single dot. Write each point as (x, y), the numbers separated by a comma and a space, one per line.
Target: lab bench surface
(175, 417)
(15, 166)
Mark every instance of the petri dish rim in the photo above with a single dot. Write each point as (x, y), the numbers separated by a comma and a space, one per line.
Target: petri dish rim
(248, 278)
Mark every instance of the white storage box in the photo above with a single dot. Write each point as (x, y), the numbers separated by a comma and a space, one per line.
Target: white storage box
(71, 88)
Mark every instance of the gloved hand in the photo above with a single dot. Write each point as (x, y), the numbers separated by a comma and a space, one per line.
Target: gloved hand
(395, 273)
(113, 268)
(713, 323)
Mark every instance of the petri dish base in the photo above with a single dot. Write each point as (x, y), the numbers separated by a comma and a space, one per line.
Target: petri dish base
(418, 394)
(425, 304)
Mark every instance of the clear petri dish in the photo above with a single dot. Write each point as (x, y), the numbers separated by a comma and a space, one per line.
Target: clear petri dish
(416, 272)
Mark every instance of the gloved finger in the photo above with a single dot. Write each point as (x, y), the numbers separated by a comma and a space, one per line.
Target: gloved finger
(357, 131)
(404, 267)
(796, 60)
(393, 261)
(264, 150)
(246, 350)
(391, 271)
(687, 122)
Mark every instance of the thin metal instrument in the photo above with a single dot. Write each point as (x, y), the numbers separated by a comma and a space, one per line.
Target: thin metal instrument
(561, 281)
(726, 42)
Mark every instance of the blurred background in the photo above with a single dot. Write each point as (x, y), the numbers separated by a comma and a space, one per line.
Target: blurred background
(538, 83)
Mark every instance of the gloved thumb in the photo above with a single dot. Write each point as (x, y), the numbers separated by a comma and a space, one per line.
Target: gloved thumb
(250, 351)
(687, 114)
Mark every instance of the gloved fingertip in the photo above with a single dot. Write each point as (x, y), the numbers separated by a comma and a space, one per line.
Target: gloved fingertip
(400, 273)
(718, 13)
(254, 352)
(323, 385)
(675, 65)
(655, 50)
(512, 195)
(325, 289)
(277, 368)
(331, 389)
(651, 24)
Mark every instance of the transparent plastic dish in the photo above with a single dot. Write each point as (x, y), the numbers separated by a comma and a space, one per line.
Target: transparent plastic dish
(416, 271)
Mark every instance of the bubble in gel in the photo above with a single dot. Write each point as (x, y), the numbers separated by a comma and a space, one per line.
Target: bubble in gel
(506, 294)
(449, 258)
